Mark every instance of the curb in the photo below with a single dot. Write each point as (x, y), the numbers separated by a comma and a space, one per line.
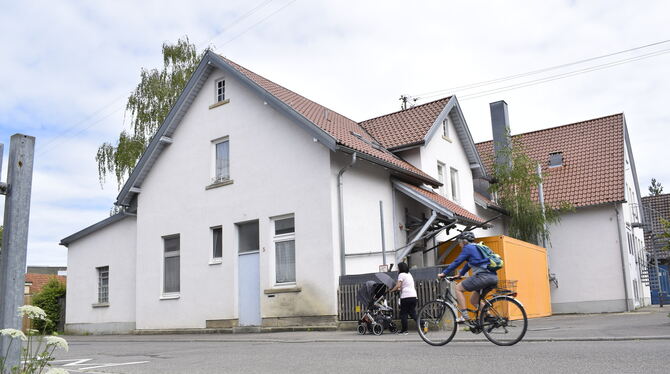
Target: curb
(411, 340)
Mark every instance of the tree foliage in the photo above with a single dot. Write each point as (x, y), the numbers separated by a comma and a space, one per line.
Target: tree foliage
(655, 189)
(148, 106)
(514, 187)
(665, 234)
(47, 299)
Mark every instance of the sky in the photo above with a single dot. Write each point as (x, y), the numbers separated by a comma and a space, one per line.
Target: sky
(67, 68)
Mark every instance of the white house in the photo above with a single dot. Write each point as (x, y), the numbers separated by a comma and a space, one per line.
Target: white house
(596, 252)
(251, 201)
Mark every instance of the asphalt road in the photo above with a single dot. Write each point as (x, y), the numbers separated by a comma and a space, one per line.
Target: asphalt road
(365, 356)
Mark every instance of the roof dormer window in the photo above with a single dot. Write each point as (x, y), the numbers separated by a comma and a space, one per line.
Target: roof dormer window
(555, 159)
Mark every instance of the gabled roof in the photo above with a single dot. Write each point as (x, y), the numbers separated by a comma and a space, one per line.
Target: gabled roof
(332, 129)
(405, 127)
(593, 160)
(438, 203)
(94, 227)
(415, 126)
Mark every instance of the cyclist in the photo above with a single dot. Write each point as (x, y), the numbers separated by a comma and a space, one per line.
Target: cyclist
(480, 279)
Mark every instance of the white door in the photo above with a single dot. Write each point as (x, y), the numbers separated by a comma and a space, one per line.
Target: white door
(249, 285)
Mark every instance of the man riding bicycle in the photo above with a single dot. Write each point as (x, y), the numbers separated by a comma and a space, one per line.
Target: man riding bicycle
(481, 277)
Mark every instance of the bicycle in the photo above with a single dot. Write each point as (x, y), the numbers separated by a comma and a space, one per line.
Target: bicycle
(502, 318)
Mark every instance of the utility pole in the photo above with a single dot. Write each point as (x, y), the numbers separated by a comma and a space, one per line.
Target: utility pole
(15, 239)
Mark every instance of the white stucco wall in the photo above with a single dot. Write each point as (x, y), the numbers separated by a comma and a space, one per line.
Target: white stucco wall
(639, 292)
(364, 186)
(585, 255)
(113, 246)
(277, 169)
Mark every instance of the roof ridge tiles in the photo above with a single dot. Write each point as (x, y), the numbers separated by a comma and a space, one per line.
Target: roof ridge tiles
(560, 126)
(447, 98)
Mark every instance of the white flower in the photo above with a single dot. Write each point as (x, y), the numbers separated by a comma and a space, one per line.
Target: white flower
(32, 312)
(57, 342)
(13, 333)
(57, 371)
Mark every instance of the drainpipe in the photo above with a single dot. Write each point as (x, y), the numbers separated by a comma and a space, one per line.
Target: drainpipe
(623, 257)
(340, 200)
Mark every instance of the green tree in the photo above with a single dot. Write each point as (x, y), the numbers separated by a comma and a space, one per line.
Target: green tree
(514, 187)
(47, 299)
(148, 105)
(655, 189)
(666, 233)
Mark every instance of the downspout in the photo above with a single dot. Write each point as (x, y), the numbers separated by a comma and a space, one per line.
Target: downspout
(340, 200)
(621, 252)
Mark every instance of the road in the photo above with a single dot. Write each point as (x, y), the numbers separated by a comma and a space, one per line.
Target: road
(137, 355)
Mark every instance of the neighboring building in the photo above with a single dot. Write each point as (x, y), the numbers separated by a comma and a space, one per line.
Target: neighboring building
(657, 245)
(596, 252)
(35, 282)
(251, 201)
(54, 270)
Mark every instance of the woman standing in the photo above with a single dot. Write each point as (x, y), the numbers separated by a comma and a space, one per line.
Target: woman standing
(407, 296)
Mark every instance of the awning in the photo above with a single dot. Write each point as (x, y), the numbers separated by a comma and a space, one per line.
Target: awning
(439, 204)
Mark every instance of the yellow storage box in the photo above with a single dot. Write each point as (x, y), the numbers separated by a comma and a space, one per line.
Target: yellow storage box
(524, 262)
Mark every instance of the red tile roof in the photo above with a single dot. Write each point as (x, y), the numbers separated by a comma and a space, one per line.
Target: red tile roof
(338, 126)
(38, 281)
(458, 210)
(593, 160)
(405, 127)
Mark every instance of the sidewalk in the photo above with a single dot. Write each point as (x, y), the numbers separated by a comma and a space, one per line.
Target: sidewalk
(649, 323)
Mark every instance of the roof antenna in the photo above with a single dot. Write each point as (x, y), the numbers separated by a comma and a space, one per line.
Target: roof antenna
(404, 99)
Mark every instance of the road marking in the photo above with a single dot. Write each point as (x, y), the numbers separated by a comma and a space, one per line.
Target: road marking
(110, 365)
(87, 366)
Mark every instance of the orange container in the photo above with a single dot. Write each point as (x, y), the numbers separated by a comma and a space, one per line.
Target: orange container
(524, 262)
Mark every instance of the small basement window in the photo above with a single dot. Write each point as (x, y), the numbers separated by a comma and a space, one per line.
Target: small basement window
(555, 159)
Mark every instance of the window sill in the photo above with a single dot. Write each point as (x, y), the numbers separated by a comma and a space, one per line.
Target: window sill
(100, 305)
(224, 102)
(282, 290)
(169, 296)
(216, 261)
(219, 184)
(447, 139)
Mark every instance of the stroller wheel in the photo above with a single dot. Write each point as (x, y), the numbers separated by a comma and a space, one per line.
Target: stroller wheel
(362, 329)
(377, 329)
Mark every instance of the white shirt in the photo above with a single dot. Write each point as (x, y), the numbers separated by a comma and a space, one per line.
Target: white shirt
(407, 288)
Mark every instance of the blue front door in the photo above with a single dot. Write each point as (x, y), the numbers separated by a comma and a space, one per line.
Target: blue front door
(249, 289)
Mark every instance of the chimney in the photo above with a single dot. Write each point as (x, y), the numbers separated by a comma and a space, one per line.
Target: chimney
(501, 133)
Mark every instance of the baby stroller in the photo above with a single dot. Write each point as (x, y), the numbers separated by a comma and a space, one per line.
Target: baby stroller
(377, 316)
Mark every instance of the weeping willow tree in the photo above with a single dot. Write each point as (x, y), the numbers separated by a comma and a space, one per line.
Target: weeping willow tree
(515, 185)
(148, 106)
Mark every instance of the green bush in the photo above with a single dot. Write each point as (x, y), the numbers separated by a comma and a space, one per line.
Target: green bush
(47, 299)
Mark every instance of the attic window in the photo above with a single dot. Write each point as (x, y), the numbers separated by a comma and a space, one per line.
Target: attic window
(220, 86)
(555, 159)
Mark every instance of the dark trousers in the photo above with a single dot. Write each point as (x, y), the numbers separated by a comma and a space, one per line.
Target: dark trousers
(407, 306)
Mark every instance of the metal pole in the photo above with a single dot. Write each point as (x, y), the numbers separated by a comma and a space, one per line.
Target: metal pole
(657, 272)
(15, 239)
(381, 217)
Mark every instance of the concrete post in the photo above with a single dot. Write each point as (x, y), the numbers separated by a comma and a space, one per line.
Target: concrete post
(15, 239)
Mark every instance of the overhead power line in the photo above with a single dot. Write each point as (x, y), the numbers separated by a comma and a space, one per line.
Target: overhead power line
(532, 72)
(564, 75)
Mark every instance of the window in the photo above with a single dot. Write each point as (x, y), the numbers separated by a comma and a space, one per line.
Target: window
(220, 86)
(284, 243)
(171, 264)
(248, 236)
(555, 159)
(103, 284)
(217, 242)
(440, 178)
(455, 192)
(445, 127)
(221, 160)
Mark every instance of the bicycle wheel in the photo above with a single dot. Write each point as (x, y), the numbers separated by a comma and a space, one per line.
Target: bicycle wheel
(503, 321)
(437, 323)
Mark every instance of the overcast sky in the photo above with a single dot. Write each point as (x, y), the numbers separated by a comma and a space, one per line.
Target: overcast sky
(67, 67)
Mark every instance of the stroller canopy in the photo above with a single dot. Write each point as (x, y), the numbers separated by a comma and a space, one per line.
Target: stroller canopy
(369, 292)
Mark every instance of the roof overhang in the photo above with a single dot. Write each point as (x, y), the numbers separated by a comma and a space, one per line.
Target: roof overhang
(95, 227)
(209, 62)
